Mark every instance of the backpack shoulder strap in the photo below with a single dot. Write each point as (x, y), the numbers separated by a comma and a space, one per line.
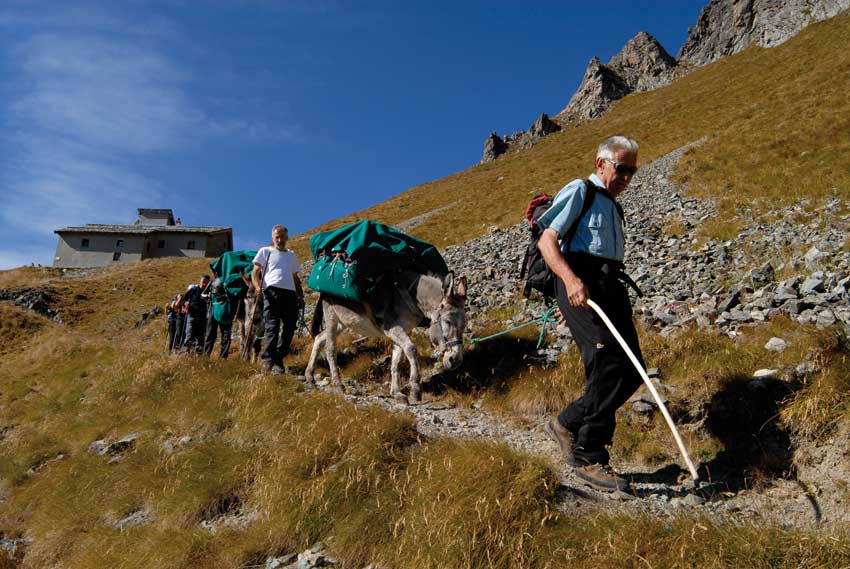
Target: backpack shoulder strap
(605, 193)
(589, 196)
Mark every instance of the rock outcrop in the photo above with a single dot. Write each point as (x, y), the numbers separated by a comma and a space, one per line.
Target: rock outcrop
(600, 87)
(495, 146)
(642, 65)
(726, 27)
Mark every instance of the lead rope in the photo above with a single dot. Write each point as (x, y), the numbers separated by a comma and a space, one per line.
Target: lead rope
(544, 319)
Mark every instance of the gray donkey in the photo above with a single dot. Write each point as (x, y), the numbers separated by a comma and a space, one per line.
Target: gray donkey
(249, 322)
(401, 301)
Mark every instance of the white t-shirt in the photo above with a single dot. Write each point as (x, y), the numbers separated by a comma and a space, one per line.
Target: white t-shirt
(281, 266)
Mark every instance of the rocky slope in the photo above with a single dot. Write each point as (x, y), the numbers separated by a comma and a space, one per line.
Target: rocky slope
(726, 27)
(714, 285)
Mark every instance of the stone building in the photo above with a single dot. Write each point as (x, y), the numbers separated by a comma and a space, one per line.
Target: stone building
(154, 234)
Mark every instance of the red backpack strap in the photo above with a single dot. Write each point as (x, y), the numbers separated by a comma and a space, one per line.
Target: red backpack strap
(533, 205)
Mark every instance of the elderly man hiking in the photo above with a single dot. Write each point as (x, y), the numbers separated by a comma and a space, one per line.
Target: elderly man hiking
(587, 260)
(275, 273)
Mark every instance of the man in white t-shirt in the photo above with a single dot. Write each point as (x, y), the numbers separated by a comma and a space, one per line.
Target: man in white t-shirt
(276, 271)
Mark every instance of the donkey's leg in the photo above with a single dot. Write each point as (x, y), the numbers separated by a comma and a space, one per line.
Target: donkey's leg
(331, 331)
(402, 340)
(318, 342)
(394, 374)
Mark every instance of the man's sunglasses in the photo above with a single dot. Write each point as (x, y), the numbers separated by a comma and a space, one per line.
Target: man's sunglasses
(621, 168)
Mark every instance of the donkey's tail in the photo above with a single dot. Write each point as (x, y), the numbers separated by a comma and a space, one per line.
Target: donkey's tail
(318, 318)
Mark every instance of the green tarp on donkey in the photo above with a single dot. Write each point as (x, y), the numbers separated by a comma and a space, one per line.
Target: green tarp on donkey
(350, 260)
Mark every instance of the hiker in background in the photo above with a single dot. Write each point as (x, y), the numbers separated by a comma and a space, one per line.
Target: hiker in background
(195, 303)
(220, 317)
(275, 277)
(173, 317)
(590, 266)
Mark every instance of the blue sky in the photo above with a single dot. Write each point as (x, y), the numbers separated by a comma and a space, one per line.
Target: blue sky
(249, 113)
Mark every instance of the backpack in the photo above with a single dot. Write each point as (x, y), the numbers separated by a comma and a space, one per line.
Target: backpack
(222, 302)
(540, 276)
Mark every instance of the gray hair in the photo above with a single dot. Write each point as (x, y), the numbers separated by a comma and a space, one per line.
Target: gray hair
(279, 227)
(611, 145)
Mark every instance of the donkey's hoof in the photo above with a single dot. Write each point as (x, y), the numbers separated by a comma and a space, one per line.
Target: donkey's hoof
(415, 395)
(400, 398)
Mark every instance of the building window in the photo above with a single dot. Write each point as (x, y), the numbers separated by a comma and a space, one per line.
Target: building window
(116, 255)
(160, 244)
(85, 243)
(190, 245)
(119, 243)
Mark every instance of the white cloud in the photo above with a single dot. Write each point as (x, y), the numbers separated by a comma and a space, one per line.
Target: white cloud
(95, 96)
(102, 92)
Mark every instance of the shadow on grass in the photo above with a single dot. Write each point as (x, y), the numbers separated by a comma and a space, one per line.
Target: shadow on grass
(744, 417)
(489, 365)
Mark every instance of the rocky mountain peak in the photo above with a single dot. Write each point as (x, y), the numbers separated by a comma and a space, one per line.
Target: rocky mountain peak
(643, 63)
(726, 27)
(600, 87)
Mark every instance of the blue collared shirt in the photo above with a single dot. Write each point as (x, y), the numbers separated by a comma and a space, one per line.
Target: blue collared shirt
(599, 232)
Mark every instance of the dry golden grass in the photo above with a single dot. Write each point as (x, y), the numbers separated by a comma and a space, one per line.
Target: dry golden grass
(778, 128)
(271, 469)
(17, 326)
(824, 399)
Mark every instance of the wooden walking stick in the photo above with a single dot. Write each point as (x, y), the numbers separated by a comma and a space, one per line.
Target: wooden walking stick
(651, 387)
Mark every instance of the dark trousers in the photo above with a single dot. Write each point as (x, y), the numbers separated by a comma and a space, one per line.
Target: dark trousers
(172, 331)
(280, 306)
(196, 325)
(179, 331)
(611, 378)
(212, 327)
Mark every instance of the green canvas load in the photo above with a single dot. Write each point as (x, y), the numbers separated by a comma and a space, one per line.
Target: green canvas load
(230, 267)
(350, 260)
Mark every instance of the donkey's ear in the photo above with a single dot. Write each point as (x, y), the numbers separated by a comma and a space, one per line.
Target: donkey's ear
(448, 283)
(247, 279)
(460, 288)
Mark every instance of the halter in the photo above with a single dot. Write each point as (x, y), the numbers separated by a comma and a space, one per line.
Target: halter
(444, 343)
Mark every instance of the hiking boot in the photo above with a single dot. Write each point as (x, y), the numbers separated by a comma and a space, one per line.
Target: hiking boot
(603, 477)
(564, 438)
(266, 367)
(278, 370)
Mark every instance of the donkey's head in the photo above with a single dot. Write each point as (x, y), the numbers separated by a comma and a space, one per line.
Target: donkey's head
(449, 322)
(250, 296)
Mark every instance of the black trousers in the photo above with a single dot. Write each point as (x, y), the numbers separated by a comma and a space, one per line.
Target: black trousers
(179, 331)
(172, 331)
(280, 306)
(196, 325)
(611, 378)
(213, 326)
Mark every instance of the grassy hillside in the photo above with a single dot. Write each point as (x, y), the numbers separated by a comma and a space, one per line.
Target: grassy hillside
(231, 465)
(777, 122)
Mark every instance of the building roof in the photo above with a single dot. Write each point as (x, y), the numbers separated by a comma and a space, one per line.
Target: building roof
(145, 211)
(142, 229)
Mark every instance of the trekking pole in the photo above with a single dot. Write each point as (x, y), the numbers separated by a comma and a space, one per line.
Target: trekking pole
(651, 387)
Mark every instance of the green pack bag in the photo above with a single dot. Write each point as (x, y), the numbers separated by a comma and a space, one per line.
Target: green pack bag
(230, 267)
(350, 260)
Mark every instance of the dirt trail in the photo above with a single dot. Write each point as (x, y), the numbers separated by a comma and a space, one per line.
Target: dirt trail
(663, 491)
